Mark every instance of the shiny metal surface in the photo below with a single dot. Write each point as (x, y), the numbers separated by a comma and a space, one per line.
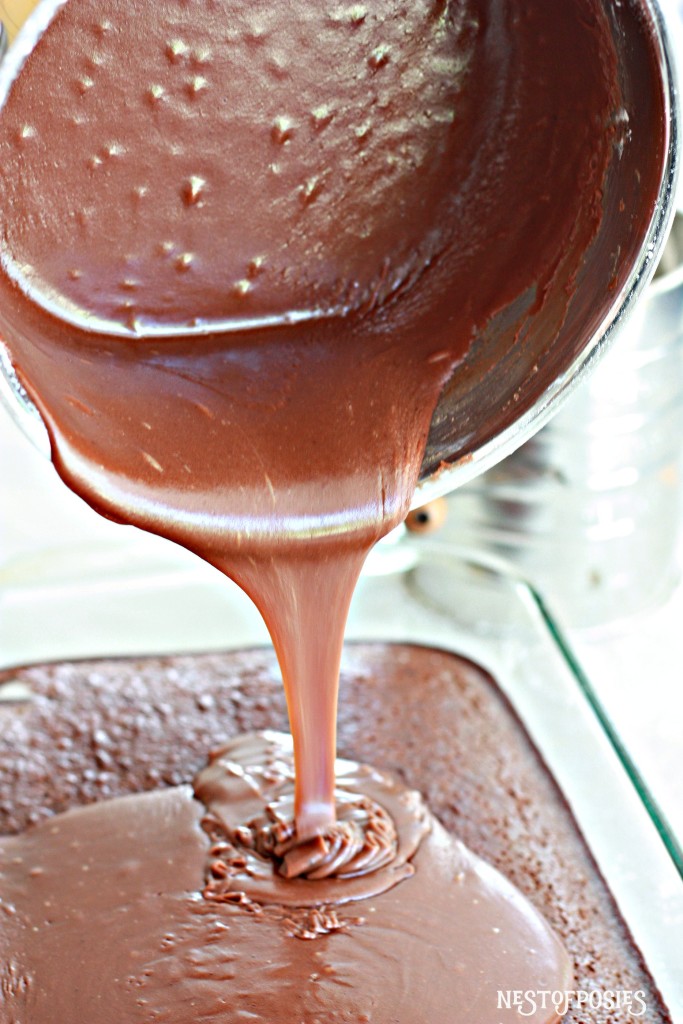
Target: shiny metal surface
(491, 405)
(521, 394)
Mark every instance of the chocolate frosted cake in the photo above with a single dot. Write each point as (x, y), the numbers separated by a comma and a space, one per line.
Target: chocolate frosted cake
(100, 729)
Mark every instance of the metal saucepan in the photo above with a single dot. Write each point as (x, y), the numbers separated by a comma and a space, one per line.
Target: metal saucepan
(522, 390)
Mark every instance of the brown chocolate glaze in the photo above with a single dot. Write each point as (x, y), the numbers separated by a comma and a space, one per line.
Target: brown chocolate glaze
(171, 956)
(239, 265)
(248, 789)
(236, 273)
(95, 730)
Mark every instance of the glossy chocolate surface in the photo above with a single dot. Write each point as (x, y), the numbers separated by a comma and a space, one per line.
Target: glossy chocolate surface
(104, 921)
(107, 728)
(239, 267)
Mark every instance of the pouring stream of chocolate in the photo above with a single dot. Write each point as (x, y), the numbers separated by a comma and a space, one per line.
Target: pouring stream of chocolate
(237, 273)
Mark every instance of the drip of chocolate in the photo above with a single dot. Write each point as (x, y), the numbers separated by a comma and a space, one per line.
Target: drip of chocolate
(239, 264)
(248, 790)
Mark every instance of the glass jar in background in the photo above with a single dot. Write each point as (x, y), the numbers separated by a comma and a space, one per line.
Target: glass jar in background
(590, 509)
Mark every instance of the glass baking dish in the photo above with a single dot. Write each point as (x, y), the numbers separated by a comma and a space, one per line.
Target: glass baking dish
(135, 598)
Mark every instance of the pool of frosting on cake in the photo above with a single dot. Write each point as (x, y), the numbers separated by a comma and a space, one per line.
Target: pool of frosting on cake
(104, 918)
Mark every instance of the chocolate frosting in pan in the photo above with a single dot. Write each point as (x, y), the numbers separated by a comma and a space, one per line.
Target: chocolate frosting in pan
(243, 247)
(93, 730)
(103, 922)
